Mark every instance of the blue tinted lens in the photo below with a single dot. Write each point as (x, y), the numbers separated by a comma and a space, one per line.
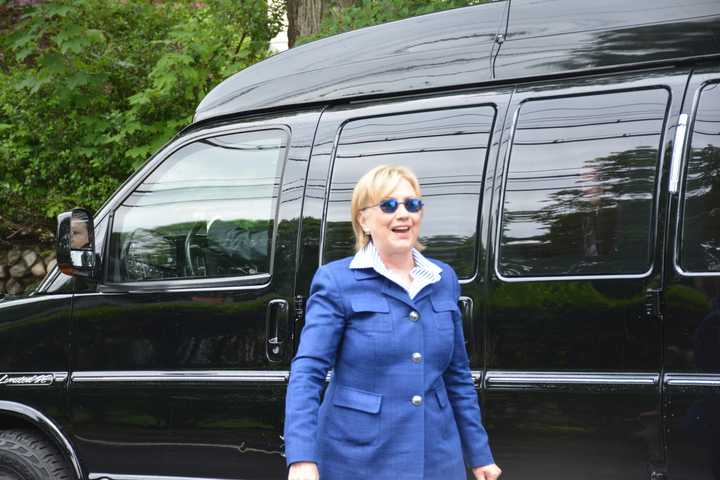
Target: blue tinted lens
(389, 205)
(413, 205)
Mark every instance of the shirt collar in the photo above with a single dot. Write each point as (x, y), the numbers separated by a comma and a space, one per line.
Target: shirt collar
(369, 257)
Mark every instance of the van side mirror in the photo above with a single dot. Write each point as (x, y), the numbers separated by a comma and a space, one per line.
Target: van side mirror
(75, 243)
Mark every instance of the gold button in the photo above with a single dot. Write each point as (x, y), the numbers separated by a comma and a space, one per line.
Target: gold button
(417, 357)
(416, 400)
(414, 316)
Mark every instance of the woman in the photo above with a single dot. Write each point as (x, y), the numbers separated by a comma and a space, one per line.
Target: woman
(401, 402)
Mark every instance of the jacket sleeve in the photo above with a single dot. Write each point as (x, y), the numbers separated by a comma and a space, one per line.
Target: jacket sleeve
(319, 340)
(463, 397)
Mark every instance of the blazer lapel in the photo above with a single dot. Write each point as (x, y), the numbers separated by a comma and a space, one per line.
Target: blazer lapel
(394, 290)
(426, 291)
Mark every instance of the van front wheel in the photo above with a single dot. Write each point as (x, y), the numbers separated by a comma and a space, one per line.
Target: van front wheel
(27, 455)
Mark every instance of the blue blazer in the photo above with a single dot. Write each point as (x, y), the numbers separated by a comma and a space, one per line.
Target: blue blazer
(401, 403)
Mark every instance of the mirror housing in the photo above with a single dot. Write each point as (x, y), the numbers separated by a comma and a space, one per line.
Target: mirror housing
(75, 243)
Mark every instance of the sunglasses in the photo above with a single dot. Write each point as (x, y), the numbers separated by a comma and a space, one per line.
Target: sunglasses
(412, 205)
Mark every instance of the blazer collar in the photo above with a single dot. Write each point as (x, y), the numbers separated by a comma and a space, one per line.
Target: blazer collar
(364, 273)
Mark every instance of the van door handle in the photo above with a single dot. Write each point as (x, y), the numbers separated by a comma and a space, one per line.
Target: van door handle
(466, 311)
(276, 329)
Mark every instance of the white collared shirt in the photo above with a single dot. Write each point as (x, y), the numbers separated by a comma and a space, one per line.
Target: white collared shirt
(423, 273)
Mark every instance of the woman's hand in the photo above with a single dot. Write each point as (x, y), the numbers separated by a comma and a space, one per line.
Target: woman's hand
(488, 472)
(304, 471)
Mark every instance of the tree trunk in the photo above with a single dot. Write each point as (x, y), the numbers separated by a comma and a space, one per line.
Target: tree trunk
(305, 16)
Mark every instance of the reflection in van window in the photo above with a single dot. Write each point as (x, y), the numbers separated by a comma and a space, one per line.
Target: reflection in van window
(446, 149)
(700, 250)
(207, 211)
(579, 193)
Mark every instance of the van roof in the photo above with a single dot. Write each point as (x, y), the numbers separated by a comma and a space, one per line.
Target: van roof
(497, 41)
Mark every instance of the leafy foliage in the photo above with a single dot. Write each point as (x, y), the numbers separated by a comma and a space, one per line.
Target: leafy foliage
(89, 89)
(366, 13)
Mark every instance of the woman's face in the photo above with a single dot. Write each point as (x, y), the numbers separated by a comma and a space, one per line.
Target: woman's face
(393, 233)
(79, 236)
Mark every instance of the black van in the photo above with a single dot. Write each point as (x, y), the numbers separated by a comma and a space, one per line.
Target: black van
(569, 154)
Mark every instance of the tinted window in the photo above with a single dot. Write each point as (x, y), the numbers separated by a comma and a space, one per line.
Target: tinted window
(579, 192)
(700, 250)
(206, 211)
(446, 150)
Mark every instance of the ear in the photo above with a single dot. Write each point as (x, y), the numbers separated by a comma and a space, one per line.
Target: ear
(362, 220)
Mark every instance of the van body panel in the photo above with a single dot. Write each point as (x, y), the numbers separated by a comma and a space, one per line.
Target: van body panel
(35, 332)
(34, 365)
(352, 139)
(168, 371)
(691, 393)
(573, 354)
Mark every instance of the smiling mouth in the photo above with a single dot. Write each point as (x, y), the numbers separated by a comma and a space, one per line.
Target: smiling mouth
(401, 229)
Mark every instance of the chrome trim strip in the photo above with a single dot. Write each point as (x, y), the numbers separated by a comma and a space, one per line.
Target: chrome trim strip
(692, 379)
(48, 279)
(497, 378)
(122, 476)
(253, 376)
(677, 154)
(685, 273)
(492, 378)
(563, 278)
(191, 284)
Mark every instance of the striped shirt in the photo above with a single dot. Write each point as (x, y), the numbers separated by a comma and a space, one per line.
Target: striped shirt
(423, 273)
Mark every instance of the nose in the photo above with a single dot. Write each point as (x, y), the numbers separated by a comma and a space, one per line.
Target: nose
(401, 211)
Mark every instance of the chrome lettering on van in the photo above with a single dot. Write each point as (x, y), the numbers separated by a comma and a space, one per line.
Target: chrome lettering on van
(22, 379)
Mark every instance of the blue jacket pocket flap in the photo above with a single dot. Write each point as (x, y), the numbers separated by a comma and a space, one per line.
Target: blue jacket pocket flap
(441, 395)
(357, 399)
(443, 305)
(368, 303)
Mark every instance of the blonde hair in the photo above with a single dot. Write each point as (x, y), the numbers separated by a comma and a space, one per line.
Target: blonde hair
(373, 187)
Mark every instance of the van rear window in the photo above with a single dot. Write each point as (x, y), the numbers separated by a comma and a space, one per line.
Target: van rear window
(700, 233)
(580, 183)
(447, 150)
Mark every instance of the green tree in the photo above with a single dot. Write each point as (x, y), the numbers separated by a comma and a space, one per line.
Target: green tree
(345, 15)
(89, 89)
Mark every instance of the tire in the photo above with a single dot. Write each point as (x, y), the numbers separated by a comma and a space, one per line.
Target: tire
(27, 455)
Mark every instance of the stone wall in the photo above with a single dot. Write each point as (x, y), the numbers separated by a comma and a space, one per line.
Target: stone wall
(22, 269)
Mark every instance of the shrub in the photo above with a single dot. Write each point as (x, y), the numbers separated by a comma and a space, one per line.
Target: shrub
(90, 88)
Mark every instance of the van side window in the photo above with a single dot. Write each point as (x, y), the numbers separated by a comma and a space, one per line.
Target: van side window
(446, 149)
(207, 211)
(700, 237)
(579, 190)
